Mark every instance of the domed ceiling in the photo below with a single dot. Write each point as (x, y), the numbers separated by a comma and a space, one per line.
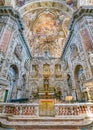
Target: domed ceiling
(46, 26)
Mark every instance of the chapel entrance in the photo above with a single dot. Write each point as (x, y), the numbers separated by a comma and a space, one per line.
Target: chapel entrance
(46, 107)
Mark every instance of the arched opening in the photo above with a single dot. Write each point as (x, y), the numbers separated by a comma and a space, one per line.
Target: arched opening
(34, 91)
(57, 91)
(58, 73)
(21, 87)
(34, 71)
(80, 78)
(69, 81)
(12, 79)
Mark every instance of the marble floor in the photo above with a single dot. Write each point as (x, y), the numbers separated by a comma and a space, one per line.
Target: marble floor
(1, 128)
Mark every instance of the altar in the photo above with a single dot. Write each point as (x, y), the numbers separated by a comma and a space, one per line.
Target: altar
(46, 107)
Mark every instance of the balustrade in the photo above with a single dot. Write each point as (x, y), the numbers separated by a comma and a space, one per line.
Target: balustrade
(67, 110)
(78, 109)
(19, 109)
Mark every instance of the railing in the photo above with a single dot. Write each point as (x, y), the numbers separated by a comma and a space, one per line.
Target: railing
(61, 110)
(76, 109)
(19, 109)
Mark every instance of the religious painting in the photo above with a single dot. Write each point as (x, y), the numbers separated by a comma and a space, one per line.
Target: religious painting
(46, 26)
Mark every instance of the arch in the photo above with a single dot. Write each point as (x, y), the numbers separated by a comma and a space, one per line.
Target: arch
(57, 90)
(36, 4)
(58, 70)
(13, 74)
(79, 79)
(69, 81)
(77, 68)
(15, 68)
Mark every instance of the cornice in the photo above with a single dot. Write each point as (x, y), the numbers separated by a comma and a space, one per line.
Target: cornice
(9, 11)
(80, 13)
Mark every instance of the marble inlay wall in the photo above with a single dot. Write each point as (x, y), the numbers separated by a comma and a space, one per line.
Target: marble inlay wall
(14, 55)
(77, 54)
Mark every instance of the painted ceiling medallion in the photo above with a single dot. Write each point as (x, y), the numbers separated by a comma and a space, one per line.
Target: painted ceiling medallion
(46, 27)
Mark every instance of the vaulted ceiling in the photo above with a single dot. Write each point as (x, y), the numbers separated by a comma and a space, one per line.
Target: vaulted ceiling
(46, 26)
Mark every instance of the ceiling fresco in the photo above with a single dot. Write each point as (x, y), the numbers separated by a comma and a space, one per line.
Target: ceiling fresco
(46, 27)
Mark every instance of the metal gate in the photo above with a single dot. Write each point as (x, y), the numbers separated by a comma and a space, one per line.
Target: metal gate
(46, 108)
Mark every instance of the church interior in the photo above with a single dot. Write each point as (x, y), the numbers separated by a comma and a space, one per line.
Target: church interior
(46, 64)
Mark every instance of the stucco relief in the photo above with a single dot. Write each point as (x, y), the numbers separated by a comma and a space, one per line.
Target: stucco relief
(90, 55)
(1, 59)
(64, 64)
(27, 64)
(18, 51)
(74, 51)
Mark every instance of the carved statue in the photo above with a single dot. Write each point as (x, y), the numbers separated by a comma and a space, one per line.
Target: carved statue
(1, 59)
(73, 47)
(69, 81)
(74, 51)
(91, 58)
(81, 79)
(64, 64)
(27, 64)
(82, 76)
(12, 82)
(18, 51)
